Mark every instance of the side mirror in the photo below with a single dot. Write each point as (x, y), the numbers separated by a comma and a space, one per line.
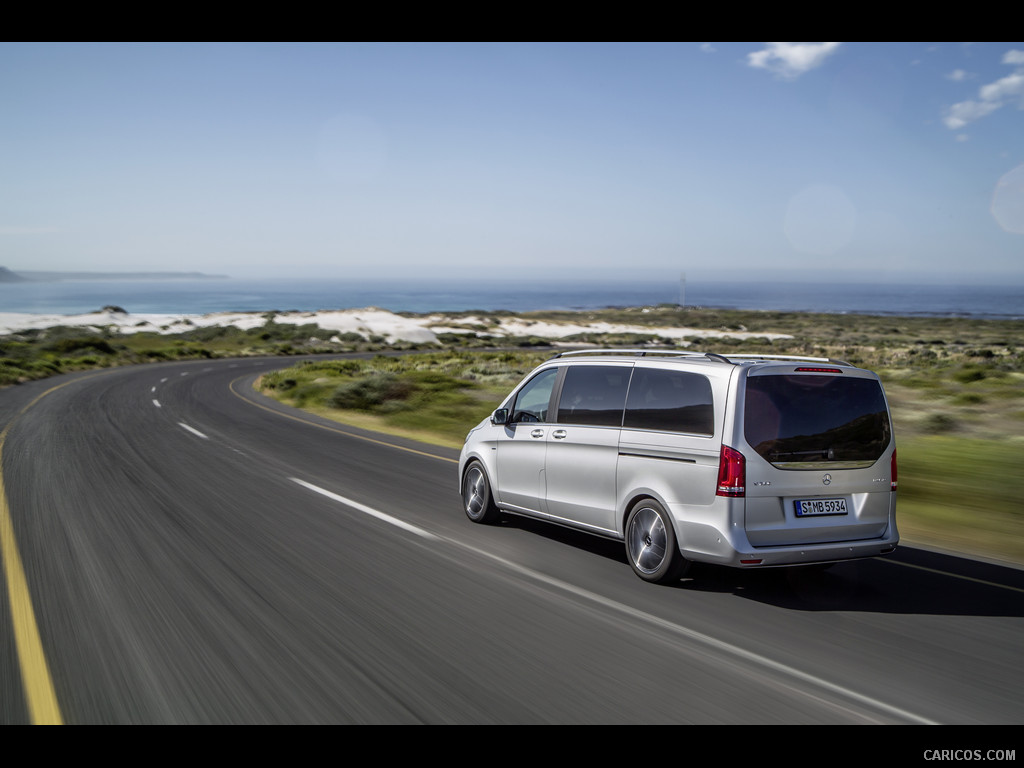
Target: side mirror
(500, 416)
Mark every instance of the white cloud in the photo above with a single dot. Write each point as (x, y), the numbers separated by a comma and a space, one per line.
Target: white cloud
(790, 60)
(708, 48)
(990, 97)
(966, 112)
(1005, 88)
(957, 76)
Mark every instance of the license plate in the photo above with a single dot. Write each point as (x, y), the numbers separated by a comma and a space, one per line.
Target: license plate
(809, 507)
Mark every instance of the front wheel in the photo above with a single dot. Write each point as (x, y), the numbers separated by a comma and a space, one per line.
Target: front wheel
(476, 496)
(651, 544)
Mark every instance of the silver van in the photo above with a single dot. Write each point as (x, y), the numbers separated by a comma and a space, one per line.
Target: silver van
(741, 460)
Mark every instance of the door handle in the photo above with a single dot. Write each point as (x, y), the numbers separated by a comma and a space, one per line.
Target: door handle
(558, 434)
(537, 433)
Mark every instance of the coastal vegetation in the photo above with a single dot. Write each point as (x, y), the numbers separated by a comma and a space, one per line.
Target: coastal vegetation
(38, 353)
(955, 386)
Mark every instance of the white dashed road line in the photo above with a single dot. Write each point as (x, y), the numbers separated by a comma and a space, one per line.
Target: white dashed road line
(193, 430)
(368, 510)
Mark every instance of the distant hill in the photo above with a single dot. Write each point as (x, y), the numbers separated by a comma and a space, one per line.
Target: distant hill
(7, 276)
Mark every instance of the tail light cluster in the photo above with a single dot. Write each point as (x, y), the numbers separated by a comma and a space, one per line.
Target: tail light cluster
(732, 473)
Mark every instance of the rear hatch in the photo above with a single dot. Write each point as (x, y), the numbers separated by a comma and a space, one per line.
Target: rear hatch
(819, 449)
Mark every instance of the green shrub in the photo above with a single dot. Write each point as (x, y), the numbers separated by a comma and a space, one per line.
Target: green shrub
(969, 398)
(971, 373)
(940, 422)
(65, 346)
(367, 393)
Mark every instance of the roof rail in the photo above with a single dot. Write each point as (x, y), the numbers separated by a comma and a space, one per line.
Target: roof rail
(795, 358)
(640, 353)
(613, 351)
(751, 356)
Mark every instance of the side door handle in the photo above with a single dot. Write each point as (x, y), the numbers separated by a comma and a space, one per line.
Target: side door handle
(559, 434)
(537, 433)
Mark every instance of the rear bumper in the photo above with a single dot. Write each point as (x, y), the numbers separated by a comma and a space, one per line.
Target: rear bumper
(711, 544)
(767, 557)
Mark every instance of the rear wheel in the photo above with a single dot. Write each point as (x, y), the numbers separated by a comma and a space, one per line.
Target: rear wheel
(651, 544)
(476, 495)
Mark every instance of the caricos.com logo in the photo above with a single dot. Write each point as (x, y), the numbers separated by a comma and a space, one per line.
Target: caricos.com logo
(970, 754)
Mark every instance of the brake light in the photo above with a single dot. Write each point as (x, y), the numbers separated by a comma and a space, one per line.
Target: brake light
(819, 370)
(732, 472)
(892, 469)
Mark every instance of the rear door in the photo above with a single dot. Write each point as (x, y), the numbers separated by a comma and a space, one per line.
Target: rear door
(818, 457)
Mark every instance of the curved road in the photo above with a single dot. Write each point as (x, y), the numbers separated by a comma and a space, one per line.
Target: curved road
(192, 552)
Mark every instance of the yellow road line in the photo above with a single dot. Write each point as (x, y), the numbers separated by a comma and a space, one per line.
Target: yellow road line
(35, 673)
(237, 394)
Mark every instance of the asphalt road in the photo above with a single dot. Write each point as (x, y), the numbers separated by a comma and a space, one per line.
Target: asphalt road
(192, 552)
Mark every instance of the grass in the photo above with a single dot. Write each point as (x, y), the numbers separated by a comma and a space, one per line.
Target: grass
(963, 494)
(436, 397)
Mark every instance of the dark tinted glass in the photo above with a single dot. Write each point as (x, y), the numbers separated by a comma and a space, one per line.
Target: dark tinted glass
(593, 394)
(670, 401)
(812, 420)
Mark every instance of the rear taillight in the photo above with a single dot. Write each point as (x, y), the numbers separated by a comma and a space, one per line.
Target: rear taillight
(732, 472)
(892, 470)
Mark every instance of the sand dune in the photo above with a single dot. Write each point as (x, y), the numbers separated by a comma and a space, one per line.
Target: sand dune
(367, 322)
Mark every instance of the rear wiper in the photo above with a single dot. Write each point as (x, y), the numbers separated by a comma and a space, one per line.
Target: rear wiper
(824, 453)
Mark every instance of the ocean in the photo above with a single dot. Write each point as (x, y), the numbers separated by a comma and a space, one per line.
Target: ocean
(204, 296)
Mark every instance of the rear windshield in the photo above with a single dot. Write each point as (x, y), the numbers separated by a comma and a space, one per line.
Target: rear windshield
(806, 422)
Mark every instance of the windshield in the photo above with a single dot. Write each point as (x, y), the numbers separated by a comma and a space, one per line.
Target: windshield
(806, 422)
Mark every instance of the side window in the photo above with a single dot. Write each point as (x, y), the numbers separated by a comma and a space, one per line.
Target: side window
(533, 399)
(670, 401)
(593, 395)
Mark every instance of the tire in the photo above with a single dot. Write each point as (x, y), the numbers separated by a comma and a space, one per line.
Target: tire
(651, 544)
(476, 495)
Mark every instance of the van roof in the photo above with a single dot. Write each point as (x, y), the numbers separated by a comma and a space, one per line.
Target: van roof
(731, 359)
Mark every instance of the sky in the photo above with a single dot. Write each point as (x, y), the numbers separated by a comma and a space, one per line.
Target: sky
(885, 161)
